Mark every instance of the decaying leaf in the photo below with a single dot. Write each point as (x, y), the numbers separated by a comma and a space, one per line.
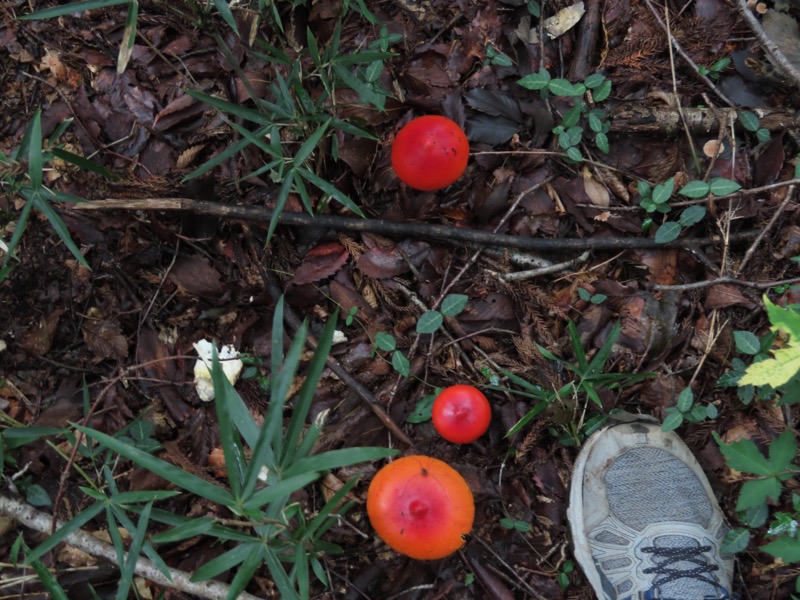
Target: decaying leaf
(564, 20)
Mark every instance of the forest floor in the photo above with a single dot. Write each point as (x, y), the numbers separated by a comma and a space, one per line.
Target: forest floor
(600, 237)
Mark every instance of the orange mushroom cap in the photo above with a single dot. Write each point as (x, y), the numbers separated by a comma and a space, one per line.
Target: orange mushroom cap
(421, 506)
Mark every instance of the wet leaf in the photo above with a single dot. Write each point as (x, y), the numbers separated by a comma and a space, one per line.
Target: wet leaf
(495, 103)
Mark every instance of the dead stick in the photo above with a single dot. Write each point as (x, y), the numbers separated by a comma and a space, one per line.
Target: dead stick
(259, 214)
(771, 47)
(40, 521)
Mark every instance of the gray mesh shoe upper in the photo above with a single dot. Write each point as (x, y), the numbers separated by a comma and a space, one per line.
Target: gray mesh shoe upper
(644, 520)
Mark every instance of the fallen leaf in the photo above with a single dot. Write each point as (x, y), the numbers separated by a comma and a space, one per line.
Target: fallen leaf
(196, 277)
(103, 336)
(563, 20)
(321, 262)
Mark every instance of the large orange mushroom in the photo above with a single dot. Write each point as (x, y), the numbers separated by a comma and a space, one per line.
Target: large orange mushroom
(421, 507)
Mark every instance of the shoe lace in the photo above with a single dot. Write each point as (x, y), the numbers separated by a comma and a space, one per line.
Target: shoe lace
(666, 571)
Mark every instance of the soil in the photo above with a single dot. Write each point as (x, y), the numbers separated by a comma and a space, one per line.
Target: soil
(117, 333)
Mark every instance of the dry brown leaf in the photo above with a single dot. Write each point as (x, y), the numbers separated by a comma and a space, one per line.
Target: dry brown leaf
(38, 338)
(596, 191)
(103, 336)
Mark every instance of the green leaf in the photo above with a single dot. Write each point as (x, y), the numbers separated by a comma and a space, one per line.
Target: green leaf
(400, 363)
(571, 117)
(72, 525)
(311, 143)
(783, 318)
(584, 294)
(602, 92)
(331, 190)
(36, 495)
(385, 341)
(685, 399)
(695, 189)
(763, 135)
(35, 158)
(756, 492)
(673, 420)
(535, 81)
(746, 342)
(429, 322)
(167, 471)
(69, 9)
(574, 153)
(743, 455)
(189, 529)
(422, 411)
(786, 548)
(594, 80)
(595, 124)
(782, 451)
(601, 141)
(335, 459)
(668, 232)
(692, 215)
(663, 191)
(279, 490)
(749, 120)
(774, 371)
(454, 304)
(735, 541)
(562, 87)
(719, 186)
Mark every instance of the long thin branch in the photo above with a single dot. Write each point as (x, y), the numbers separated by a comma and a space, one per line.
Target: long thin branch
(696, 285)
(751, 250)
(41, 521)
(259, 214)
(772, 49)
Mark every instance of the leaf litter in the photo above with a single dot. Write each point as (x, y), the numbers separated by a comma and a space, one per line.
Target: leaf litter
(160, 282)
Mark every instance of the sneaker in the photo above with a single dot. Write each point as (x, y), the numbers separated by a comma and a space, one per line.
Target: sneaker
(644, 520)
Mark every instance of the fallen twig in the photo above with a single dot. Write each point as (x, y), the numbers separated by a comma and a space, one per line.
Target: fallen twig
(732, 280)
(259, 214)
(770, 46)
(41, 521)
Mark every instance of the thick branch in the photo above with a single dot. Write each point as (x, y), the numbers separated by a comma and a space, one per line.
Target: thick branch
(259, 214)
(41, 521)
(631, 118)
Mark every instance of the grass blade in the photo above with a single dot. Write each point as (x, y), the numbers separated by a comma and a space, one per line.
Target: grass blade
(74, 524)
(35, 159)
(176, 475)
(69, 9)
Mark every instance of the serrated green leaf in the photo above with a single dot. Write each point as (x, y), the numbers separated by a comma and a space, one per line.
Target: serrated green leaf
(782, 451)
(735, 541)
(743, 455)
(749, 120)
(685, 399)
(695, 189)
(786, 548)
(692, 215)
(773, 371)
(454, 304)
(400, 363)
(668, 232)
(746, 342)
(663, 191)
(783, 318)
(429, 322)
(757, 491)
(719, 186)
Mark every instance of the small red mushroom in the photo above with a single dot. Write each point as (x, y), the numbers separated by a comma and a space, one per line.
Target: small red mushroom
(430, 153)
(421, 507)
(461, 414)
